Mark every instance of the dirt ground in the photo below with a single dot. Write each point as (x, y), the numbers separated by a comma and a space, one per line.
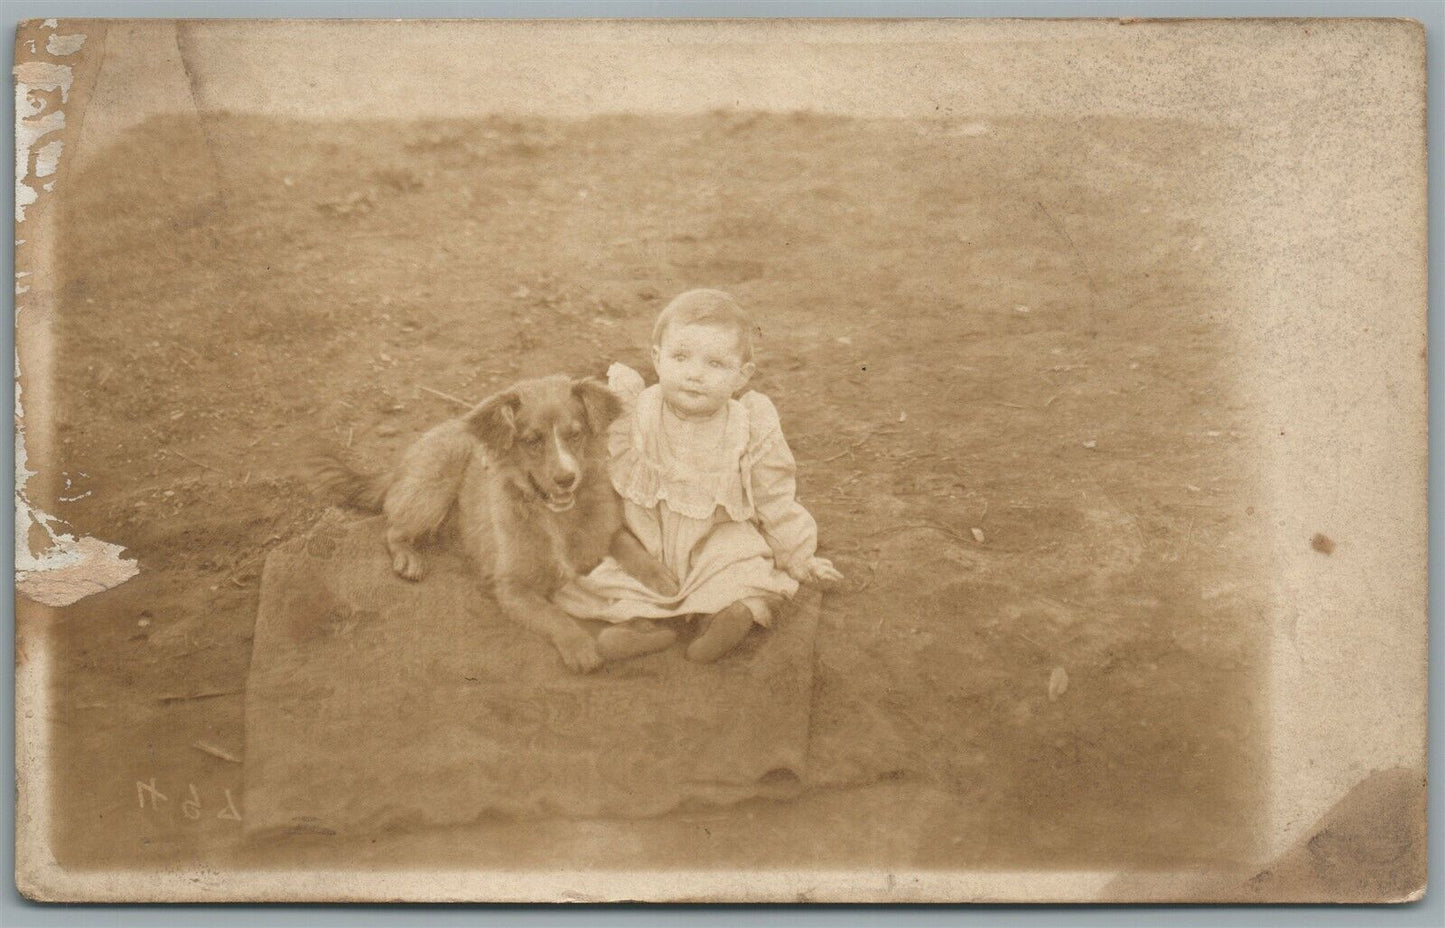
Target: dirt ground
(995, 349)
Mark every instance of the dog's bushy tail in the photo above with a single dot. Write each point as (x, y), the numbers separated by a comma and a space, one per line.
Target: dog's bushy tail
(333, 474)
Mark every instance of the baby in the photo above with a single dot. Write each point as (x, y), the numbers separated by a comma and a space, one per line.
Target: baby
(707, 484)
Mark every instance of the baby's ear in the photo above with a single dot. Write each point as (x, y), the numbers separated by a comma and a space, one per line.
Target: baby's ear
(494, 420)
(599, 403)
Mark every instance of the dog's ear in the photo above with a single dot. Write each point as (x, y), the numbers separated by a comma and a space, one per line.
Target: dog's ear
(494, 421)
(601, 404)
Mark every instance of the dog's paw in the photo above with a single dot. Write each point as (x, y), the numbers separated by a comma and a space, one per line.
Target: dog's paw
(579, 653)
(407, 565)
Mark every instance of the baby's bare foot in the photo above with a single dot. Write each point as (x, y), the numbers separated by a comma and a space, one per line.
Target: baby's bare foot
(633, 639)
(725, 631)
(407, 564)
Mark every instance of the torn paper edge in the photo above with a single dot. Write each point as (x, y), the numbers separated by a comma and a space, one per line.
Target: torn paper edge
(68, 568)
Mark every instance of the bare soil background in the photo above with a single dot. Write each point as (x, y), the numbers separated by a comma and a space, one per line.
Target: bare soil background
(999, 355)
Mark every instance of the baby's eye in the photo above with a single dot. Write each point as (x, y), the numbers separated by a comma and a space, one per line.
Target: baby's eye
(715, 364)
(679, 356)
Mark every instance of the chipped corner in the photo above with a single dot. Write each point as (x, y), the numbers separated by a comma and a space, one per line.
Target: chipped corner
(1368, 848)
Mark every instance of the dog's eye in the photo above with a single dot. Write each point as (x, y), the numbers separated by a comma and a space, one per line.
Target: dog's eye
(573, 433)
(535, 438)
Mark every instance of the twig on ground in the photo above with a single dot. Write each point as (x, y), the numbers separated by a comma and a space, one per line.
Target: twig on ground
(910, 526)
(449, 398)
(350, 434)
(1059, 227)
(848, 450)
(210, 694)
(1015, 405)
(1188, 539)
(1050, 400)
(194, 461)
(216, 752)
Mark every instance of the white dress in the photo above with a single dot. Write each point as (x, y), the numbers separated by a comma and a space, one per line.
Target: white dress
(724, 531)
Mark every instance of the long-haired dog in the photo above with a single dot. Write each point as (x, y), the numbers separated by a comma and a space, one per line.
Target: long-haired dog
(523, 475)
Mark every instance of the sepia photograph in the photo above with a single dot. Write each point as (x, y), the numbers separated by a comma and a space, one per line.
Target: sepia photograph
(721, 461)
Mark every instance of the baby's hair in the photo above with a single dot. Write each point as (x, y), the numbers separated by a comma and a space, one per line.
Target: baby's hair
(707, 307)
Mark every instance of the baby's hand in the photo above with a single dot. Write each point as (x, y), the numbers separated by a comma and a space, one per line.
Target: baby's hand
(815, 570)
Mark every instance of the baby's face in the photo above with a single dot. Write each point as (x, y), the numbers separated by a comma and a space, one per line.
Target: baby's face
(699, 368)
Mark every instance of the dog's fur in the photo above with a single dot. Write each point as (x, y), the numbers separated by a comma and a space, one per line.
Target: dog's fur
(524, 477)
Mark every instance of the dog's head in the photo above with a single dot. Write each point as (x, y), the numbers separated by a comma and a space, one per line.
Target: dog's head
(545, 434)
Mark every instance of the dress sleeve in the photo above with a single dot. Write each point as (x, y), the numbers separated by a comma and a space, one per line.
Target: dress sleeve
(788, 528)
(628, 385)
(625, 382)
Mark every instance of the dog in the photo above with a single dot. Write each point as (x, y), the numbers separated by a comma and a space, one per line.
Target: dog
(523, 476)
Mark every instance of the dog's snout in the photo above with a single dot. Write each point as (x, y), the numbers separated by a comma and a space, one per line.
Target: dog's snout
(566, 481)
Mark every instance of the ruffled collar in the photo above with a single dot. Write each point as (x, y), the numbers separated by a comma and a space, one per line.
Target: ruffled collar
(645, 473)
